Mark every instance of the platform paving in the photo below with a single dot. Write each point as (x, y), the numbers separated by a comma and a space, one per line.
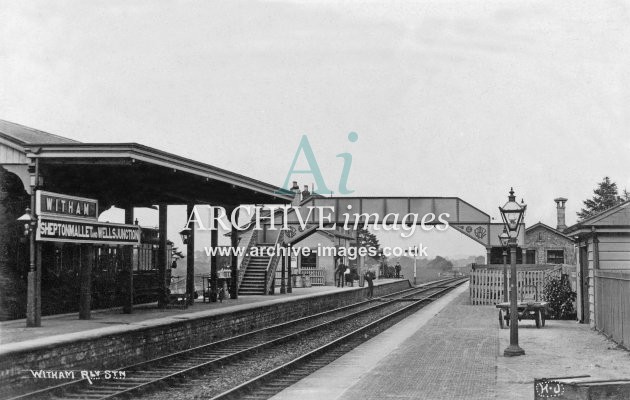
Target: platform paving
(561, 348)
(454, 350)
(14, 334)
(444, 351)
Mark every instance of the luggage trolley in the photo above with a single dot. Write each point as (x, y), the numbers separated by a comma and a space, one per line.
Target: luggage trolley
(527, 309)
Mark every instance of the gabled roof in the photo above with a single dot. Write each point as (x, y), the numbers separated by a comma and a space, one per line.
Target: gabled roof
(545, 226)
(617, 216)
(315, 229)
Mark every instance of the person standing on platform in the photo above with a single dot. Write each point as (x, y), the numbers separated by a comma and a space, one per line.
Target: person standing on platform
(369, 277)
(347, 276)
(221, 294)
(398, 267)
(339, 277)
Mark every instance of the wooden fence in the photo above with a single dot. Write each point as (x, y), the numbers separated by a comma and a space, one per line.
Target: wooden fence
(612, 305)
(486, 284)
(317, 276)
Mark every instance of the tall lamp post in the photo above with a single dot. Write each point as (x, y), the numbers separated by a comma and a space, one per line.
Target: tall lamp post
(512, 214)
(415, 261)
(504, 239)
(33, 315)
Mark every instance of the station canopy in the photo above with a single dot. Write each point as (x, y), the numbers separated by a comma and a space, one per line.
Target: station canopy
(129, 174)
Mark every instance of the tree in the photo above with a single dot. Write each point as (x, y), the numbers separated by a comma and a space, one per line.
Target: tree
(368, 239)
(606, 196)
(440, 263)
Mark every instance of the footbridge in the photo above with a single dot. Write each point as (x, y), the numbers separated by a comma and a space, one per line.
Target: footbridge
(459, 214)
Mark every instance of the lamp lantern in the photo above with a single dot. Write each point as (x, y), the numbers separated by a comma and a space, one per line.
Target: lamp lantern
(513, 214)
(185, 235)
(504, 238)
(28, 221)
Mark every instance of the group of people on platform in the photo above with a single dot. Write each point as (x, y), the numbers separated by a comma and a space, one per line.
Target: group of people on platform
(392, 271)
(345, 276)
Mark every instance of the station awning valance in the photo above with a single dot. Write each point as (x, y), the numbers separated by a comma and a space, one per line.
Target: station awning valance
(130, 174)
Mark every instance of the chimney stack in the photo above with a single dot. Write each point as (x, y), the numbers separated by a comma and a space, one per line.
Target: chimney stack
(297, 198)
(305, 192)
(560, 207)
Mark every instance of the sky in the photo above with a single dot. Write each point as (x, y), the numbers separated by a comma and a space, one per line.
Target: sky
(448, 98)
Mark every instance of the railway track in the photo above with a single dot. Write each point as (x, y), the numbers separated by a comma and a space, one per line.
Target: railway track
(216, 365)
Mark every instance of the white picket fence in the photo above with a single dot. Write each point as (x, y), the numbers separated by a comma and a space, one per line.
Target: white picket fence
(486, 285)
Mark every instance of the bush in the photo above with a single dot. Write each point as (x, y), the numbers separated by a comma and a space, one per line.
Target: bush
(557, 291)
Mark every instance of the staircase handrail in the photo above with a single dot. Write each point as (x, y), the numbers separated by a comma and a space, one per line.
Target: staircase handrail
(253, 241)
(273, 263)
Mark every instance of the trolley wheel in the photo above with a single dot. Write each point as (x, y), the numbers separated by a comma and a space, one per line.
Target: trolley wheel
(501, 319)
(538, 319)
(543, 313)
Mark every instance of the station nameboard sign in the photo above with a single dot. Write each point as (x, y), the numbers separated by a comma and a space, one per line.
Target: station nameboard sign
(67, 230)
(61, 205)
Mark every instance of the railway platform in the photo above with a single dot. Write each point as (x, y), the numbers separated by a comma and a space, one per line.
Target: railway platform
(112, 340)
(14, 334)
(453, 350)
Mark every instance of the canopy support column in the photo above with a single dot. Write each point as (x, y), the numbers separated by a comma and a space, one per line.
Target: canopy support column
(214, 242)
(233, 257)
(34, 277)
(162, 256)
(283, 288)
(85, 278)
(289, 277)
(190, 259)
(127, 277)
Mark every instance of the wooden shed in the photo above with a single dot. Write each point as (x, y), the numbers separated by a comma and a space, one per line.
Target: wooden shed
(603, 264)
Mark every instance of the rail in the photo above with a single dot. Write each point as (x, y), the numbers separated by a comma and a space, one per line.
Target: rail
(273, 381)
(214, 356)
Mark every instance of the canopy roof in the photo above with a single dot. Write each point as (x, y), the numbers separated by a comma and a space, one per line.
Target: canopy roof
(131, 174)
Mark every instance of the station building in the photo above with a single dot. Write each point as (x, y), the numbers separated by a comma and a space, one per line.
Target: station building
(543, 245)
(58, 257)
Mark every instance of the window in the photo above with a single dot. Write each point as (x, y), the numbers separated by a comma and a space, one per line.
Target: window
(496, 256)
(310, 261)
(530, 257)
(555, 256)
